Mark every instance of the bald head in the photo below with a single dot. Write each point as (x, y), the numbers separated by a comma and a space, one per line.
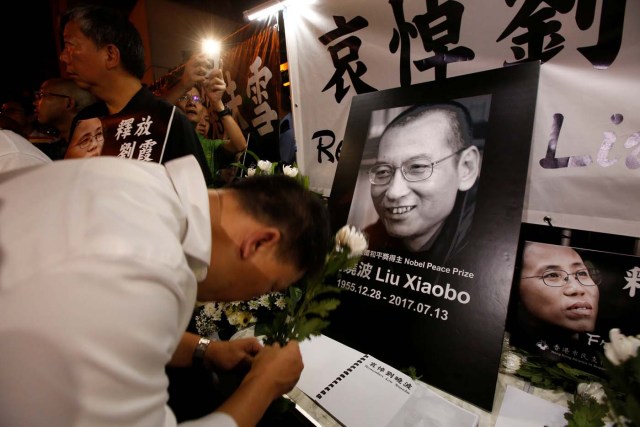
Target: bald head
(68, 87)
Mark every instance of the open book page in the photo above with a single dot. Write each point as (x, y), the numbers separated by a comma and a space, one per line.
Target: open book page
(324, 358)
(355, 388)
(361, 391)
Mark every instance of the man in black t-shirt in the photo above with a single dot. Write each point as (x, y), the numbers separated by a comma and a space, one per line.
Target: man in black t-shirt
(103, 53)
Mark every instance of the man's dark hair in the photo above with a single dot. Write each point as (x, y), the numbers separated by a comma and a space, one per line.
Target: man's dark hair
(459, 119)
(299, 214)
(104, 25)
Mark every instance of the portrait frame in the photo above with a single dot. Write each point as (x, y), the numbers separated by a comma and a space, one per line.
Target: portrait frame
(458, 353)
(618, 279)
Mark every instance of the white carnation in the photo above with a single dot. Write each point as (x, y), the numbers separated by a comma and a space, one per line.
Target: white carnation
(290, 171)
(351, 238)
(264, 165)
(593, 390)
(251, 171)
(620, 348)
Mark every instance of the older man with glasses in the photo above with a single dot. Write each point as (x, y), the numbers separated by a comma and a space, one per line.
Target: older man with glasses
(104, 54)
(202, 96)
(420, 182)
(56, 104)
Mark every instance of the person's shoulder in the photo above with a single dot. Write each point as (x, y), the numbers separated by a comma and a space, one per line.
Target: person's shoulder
(208, 142)
(97, 109)
(17, 152)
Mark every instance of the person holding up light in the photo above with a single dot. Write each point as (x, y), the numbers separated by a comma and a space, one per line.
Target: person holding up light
(201, 100)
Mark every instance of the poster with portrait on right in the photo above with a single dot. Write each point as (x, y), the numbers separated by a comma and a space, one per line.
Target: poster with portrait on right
(566, 299)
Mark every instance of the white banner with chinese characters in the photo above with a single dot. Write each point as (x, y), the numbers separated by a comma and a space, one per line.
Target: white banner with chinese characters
(584, 169)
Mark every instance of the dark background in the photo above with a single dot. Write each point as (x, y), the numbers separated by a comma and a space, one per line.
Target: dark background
(29, 52)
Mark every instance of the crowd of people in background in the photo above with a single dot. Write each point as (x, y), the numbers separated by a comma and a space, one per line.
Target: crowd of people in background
(136, 241)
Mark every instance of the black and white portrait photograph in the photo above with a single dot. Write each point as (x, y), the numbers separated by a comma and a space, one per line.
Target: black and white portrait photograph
(566, 299)
(422, 174)
(417, 185)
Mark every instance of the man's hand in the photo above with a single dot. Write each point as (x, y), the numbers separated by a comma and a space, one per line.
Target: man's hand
(215, 87)
(277, 368)
(227, 355)
(196, 70)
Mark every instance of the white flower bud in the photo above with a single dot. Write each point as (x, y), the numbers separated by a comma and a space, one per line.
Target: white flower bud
(251, 171)
(264, 165)
(620, 348)
(592, 390)
(290, 171)
(353, 239)
(511, 362)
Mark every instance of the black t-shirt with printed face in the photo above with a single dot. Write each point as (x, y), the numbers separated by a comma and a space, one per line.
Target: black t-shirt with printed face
(139, 131)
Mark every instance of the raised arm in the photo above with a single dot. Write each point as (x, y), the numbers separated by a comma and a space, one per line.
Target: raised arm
(215, 89)
(196, 70)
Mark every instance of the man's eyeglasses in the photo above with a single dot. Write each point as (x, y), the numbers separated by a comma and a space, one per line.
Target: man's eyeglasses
(558, 278)
(416, 169)
(193, 98)
(41, 94)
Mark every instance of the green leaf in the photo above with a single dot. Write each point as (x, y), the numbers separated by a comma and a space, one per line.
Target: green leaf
(254, 155)
(323, 307)
(585, 412)
(308, 327)
(239, 165)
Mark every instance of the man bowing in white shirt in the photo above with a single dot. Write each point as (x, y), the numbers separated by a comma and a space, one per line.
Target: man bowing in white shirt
(101, 262)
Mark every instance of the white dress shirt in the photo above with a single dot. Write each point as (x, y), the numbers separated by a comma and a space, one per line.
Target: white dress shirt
(98, 266)
(17, 152)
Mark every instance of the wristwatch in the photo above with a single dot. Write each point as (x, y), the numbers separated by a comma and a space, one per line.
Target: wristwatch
(198, 354)
(226, 111)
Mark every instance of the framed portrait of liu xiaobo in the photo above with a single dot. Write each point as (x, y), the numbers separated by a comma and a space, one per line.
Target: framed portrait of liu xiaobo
(434, 174)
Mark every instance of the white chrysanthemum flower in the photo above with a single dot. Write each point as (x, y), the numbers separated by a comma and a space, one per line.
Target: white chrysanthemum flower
(349, 237)
(263, 300)
(253, 305)
(281, 303)
(593, 390)
(620, 348)
(213, 310)
(264, 165)
(291, 171)
(251, 172)
(235, 318)
(511, 362)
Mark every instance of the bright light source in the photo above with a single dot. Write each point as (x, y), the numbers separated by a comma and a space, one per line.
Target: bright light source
(264, 10)
(273, 6)
(211, 47)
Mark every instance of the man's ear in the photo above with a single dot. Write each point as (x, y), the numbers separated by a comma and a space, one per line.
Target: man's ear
(112, 56)
(468, 168)
(259, 240)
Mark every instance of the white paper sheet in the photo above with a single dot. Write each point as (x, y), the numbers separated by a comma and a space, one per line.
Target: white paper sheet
(521, 409)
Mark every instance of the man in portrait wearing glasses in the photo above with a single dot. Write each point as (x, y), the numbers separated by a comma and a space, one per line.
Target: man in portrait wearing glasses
(558, 291)
(421, 182)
